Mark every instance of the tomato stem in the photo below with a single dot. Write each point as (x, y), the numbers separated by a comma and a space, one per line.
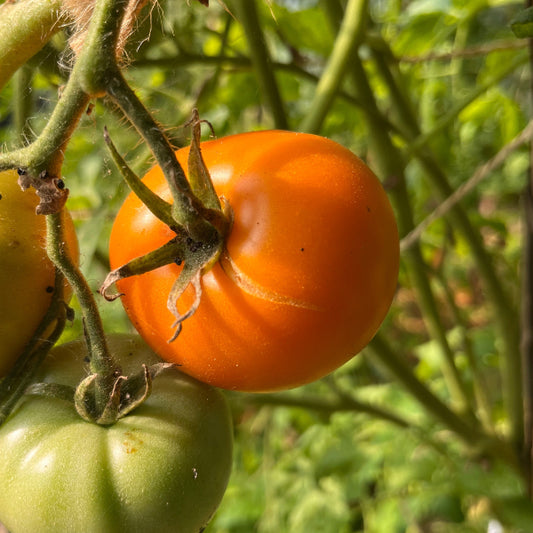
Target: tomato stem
(261, 60)
(380, 350)
(390, 166)
(187, 209)
(25, 27)
(102, 364)
(349, 36)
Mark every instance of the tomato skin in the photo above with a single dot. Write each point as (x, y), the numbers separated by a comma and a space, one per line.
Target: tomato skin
(162, 468)
(26, 274)
(312, 225)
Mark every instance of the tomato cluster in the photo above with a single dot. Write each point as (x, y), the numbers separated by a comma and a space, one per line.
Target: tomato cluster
(303, 281)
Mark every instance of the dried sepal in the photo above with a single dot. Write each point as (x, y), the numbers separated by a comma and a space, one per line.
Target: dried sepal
(50, 189)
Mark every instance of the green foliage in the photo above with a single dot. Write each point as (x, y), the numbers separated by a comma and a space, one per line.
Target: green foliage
(448, 78)
(522, 23)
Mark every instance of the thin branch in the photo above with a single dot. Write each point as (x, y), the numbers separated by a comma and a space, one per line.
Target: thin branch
(526, 311)
(349, 36)
(474, 51)
(380, 350)
(479, 175)
(328, 406)
(249, 18)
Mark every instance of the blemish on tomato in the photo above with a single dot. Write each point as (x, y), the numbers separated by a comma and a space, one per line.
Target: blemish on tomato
(131, 442)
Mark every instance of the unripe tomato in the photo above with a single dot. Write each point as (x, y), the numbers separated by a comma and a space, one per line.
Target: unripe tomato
(163, 468)
(26, 274)
(314, 254)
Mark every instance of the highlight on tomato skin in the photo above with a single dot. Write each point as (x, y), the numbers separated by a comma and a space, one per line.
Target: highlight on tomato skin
(308, 275)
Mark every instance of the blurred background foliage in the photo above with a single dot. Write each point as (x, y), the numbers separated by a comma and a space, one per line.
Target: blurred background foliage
(367, 448)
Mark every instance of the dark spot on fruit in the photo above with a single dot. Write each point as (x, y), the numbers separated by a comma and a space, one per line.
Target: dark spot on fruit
(49, 289)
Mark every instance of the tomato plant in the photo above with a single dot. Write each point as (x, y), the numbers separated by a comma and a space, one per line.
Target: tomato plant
(307, 276)
(162, 468)
(26, 274)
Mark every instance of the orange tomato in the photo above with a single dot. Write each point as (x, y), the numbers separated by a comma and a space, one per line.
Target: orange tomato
(314, 255)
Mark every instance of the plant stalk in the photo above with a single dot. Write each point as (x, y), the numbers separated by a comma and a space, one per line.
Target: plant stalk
(25, 27)
(380, 350)
(248, 17)
(503, 310)
(349, 36)
(527, 305)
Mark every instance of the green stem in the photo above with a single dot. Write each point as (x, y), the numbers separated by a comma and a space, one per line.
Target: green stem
(349, 36)
(390, 165)
(381, 351)
(328, 406)
(526, 311)
(25, 27)
(186, 208)
(101, 360)
(247, 14)
(48, 150)
(503, 310)
(98, 57)
(481, 389)
(23, 103)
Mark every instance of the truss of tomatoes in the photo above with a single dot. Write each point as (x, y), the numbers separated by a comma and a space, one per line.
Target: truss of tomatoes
(313, 232)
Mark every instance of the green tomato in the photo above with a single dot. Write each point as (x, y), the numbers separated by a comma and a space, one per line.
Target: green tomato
(162, 468)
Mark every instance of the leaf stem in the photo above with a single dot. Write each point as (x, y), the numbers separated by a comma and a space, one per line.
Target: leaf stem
(328, 406)
(380, 350)
(349, 36)
(101, 360)
(248, 16)
(527, 305)
(390, 166)
(504, 313)
(23, 103)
